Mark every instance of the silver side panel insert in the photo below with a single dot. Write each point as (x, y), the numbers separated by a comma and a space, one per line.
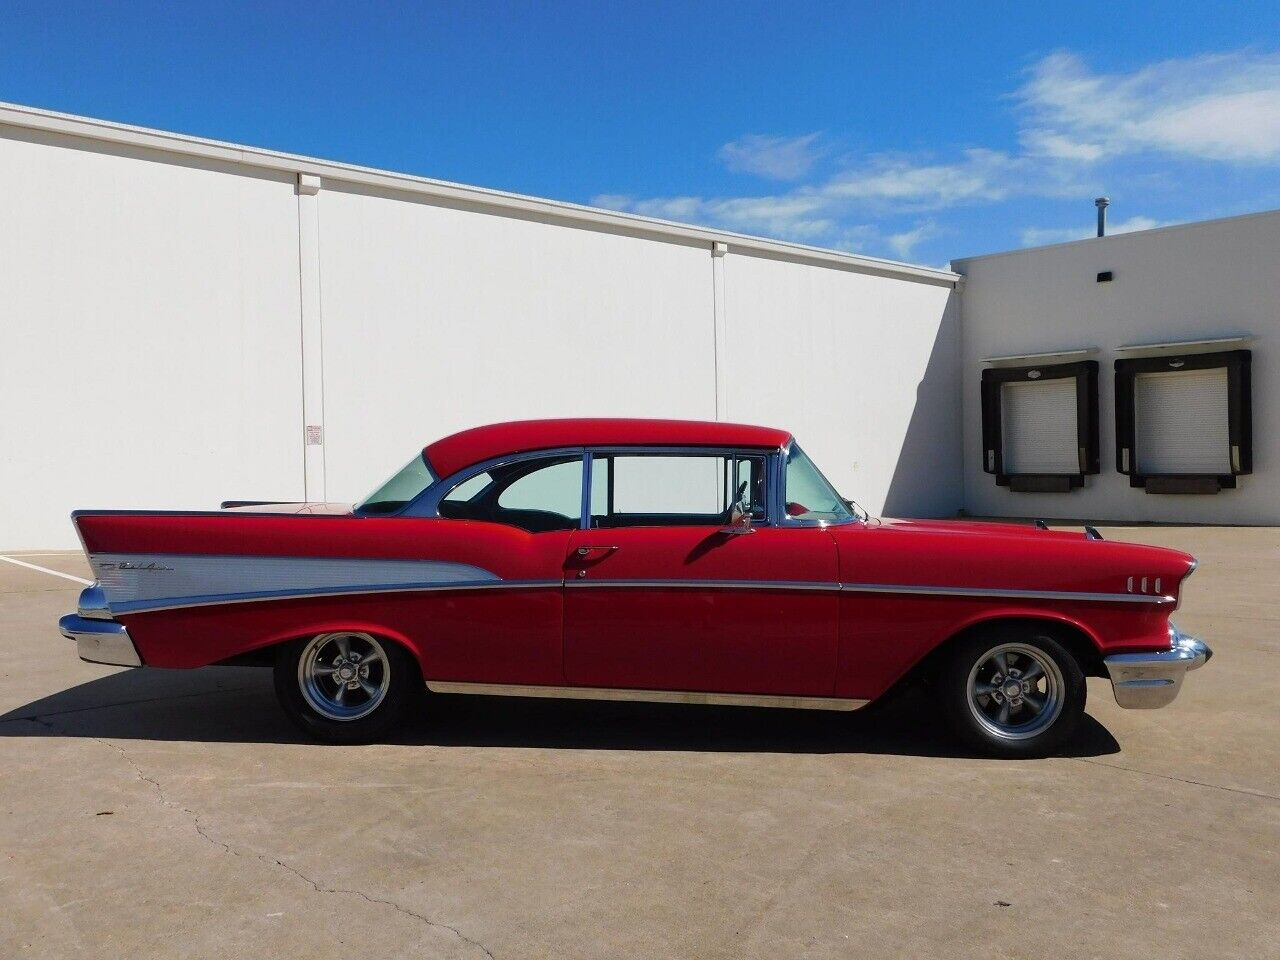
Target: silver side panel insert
(647, 696)
(133, 583)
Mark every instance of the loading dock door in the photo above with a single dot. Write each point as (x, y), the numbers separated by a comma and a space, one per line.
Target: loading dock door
(1039, 426)
(1181, 422)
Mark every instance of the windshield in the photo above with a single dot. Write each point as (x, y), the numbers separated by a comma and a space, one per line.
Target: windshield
(408, 482)
(807, 493)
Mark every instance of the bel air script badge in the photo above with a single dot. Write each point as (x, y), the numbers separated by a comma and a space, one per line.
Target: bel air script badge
(127, 565)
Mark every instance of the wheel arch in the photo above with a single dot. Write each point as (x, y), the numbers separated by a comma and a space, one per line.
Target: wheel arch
(263, 651)
(1075, 636)
(1079, 640)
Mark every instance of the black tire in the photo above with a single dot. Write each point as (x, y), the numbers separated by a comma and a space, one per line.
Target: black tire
(996, 724)
(386, 667)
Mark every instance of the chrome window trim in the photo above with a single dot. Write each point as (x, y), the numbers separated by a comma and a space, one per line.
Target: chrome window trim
(584, 510)
(779, 505)
(647, 696)
(768, 453)
(427, 503)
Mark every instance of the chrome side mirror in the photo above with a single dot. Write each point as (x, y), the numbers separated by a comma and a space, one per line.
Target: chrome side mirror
(739, 521)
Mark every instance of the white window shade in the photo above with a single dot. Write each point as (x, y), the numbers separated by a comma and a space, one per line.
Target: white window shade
(1181, 422)
(1039, 426)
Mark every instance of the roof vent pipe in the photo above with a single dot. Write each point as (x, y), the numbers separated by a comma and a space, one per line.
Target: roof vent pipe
(1102, 203)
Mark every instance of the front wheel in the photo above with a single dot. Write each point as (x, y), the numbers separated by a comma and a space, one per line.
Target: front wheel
(1012, 692)
(345, 687)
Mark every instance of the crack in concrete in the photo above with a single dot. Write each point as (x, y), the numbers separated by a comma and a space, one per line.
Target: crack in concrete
(165, 800)
(389, 903)
(1165, 776)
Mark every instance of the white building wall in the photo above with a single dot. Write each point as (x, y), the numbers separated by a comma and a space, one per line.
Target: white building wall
(861, 368)
(178, 311)
(438, 319)
(149, 335)
(1204, 280)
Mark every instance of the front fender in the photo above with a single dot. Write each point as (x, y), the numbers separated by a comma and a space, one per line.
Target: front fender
(885, 637)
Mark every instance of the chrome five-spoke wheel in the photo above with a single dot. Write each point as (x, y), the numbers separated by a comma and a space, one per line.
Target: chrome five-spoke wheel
(1012, 689)
(1015, 691)
(344, 676)
(346, 686)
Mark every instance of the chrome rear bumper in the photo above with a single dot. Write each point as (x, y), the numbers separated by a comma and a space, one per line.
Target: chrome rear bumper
(99, 638)
(1145, 681)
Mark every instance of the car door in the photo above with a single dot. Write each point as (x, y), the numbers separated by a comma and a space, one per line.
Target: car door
(512, 520)
(661, 594)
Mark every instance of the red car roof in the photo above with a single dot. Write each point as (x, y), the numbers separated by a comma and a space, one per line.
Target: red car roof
(461, 450)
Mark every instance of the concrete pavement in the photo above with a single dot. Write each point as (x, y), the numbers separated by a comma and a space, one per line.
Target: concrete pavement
(167, 813)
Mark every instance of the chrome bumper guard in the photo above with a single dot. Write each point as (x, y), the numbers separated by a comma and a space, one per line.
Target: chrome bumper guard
(1145, 681)
(99, 638)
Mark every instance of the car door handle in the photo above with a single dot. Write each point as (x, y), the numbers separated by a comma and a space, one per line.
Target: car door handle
(587, 551)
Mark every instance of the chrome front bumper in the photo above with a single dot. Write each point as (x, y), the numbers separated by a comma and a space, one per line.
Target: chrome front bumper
(99, 638)
(1145, 681)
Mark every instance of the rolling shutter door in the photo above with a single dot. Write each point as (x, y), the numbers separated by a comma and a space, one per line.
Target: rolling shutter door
(1039, 426)
(1181, 422)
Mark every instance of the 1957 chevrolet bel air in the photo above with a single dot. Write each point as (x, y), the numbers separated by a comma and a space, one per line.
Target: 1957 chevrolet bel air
(638, 560)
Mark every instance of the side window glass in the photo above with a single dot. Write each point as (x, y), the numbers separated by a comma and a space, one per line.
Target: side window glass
(535, 495)
(555, 489)
(648, 490)
(807, 493)
(468, 489)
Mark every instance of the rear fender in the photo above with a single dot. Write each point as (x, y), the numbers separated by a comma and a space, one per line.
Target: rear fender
(199, 636)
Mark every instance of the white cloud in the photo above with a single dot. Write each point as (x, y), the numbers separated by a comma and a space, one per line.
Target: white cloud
(797, 216)
(979, 174)
(1039, 236)
(1042, 143)
(829, 212)
(1219, 107)
(903, 244)
(777, 158)
(1076, 127)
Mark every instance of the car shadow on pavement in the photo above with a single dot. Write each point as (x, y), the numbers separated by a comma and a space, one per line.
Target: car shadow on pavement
(238, 705)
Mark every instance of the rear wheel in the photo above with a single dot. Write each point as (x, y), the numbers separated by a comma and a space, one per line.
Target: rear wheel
(1012, 692)
(345, 687)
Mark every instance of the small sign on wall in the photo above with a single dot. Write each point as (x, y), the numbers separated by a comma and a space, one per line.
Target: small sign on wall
(315, 435)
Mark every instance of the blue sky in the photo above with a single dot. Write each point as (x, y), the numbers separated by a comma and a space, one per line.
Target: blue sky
(912, 131)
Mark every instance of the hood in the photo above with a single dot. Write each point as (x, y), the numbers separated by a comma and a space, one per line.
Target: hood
(980, 528)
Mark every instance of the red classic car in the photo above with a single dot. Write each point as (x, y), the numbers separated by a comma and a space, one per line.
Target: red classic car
(640, 560)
